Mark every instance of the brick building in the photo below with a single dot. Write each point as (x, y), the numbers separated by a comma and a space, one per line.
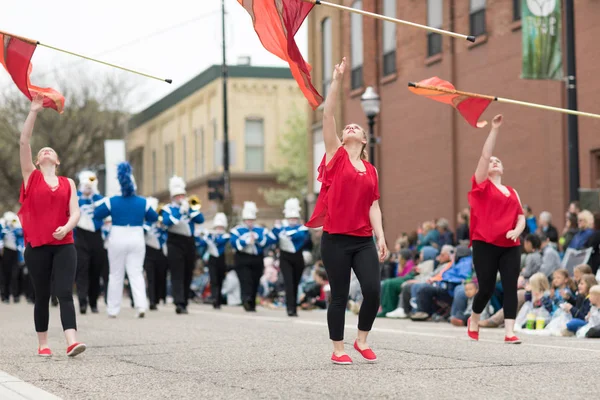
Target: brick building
(427, 153)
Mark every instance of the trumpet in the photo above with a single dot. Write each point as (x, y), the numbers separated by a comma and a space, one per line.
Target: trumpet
(194, 201)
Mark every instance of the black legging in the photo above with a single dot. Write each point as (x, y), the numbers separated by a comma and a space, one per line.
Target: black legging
(90, 261)
(340, 254)
(292, 266)
(217, 270)
(181, 253)
(52, 265)
(488, 259)
(155, 265)
(249, 268)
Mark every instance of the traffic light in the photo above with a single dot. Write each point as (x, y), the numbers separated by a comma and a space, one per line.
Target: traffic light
(215, 189)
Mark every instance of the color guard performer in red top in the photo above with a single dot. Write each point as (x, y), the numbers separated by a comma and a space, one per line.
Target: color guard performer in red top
(49, 212)
(348, 210)
(497, 221)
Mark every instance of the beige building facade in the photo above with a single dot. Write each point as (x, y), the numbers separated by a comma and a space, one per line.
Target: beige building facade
(182, 134)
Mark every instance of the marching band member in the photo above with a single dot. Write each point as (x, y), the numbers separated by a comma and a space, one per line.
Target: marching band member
(216, 241)
(156, 262)
(126, 243)
(13, 240)
(249, 241)
(180, 219)
(104, 274)
(292, 236)
(89, 244)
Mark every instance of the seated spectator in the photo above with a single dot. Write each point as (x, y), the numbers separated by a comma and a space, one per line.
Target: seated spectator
(538, 300)
(429, 237)
(563, 287)
(594, 243)
(579, 307)
(462, 230)
(569, 232)
(594, 315)
(585, 223)
(547, 228)
(550, 256)
(462, 308)
(533, 258)
(446, 236)
(314, 295)
(443, 290)
(531, 223)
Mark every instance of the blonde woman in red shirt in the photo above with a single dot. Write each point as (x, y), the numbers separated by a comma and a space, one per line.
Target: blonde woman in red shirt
(49, 212)
(348, 183)
(497, 222)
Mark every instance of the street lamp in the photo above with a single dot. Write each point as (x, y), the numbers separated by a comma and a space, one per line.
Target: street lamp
(370, 103)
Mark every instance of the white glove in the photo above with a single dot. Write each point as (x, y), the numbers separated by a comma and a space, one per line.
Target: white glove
(184, 207)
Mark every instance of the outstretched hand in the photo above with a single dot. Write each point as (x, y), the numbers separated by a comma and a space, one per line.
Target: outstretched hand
(37, 103)
(497, 121)
(338, 73)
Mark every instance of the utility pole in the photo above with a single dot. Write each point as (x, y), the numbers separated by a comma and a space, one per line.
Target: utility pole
(227, 202)
(572, 121)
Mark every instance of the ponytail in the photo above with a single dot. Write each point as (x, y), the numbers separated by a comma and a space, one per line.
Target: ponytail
(363, 152)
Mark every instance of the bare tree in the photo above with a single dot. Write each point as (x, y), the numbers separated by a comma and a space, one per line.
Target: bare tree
(94, 112)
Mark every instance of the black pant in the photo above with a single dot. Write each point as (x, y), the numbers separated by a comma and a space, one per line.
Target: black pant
(488, 259)
(217, 270)
(90, 262)
(340, 254)
(292, 266)
(428, 295)
(181, 253)
(10, 274)
(45, 263)
(156, 265)
(249, 269)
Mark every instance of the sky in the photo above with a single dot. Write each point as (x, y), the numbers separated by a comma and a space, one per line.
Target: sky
(176, 39)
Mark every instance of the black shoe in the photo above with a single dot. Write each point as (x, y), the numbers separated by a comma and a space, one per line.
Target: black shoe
(153, 307)
(292, 314)
(83, 308)
(6, 301)
(54, 302)
(181, 310)
(94, 310)
(16, 300)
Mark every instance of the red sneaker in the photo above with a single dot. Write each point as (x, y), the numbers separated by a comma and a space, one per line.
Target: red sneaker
(342, 360)
(473, 335)
(512, 340)
(44, 352)
(75, 348)
(367, 353)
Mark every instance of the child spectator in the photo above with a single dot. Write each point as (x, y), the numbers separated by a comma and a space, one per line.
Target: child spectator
(459, 317)
(538, 298)
(314, 295)
(594, 315)
(581, 306)
(563, 287)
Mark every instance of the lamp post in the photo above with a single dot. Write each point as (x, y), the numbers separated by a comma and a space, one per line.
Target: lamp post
(370, 102)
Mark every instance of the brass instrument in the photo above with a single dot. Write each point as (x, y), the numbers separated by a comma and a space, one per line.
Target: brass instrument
(194, 201)
(160, 208)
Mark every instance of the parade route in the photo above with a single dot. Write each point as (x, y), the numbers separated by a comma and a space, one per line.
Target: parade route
(229, 354)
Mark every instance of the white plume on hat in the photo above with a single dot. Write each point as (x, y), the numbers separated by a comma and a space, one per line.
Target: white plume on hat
(249, 210)
(176, 186)
(220, 219)
(292, 208)
(9, 217)
(88, 179)
(153, 202)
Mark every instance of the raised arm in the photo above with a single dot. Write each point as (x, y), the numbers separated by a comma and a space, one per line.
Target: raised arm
(27, 166)
(481, 173)
(330, 137)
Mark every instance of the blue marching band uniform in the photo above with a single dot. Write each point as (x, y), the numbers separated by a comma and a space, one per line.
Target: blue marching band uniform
(89, 243)
(180, 219)
(216, 240)
(11, 235)
(126, 243)
(155, 262)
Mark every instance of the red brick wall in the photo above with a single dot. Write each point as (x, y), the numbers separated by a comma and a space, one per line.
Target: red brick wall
(421, 177)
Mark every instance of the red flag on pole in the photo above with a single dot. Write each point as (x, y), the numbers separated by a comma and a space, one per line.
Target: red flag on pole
(276, 22)
(15, 56)
(469, 105)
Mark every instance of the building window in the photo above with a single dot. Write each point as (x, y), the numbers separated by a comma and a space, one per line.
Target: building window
(389, 38)
(184, 143)
(327, 43)
(154, 188)
(477, 17)
(356, 40)
(516, 10)
(254, 141)
(169, 161)
(435, 13)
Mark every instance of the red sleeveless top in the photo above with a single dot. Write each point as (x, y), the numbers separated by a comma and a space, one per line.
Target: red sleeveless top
(493, 213)
(346, 196)
(43, 210)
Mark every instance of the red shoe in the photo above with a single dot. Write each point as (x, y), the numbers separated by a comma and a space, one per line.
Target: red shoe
(75, 348)
(44, 352)
(367, 353)
(343, 360)
(473, 335)
(512, 340)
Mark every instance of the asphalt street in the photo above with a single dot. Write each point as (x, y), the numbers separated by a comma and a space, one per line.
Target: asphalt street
(229, 354)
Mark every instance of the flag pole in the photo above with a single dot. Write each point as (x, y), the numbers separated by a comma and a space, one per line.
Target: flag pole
(503, 100)
(35, 42)
(390, 19)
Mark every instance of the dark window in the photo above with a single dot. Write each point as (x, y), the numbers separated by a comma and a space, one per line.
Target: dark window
(434, 44)
(478, 22)
(516, 10)
(389, 63)
(357, 77)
